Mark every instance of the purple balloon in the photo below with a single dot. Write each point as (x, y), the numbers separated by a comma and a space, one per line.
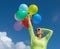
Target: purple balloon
(18, 25)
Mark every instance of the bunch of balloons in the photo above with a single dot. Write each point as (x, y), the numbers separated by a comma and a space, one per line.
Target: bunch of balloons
(22, 14)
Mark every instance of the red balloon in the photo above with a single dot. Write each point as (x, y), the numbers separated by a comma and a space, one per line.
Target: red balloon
(25, 22)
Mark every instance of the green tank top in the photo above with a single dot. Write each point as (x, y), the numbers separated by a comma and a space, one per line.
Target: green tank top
(35, 42)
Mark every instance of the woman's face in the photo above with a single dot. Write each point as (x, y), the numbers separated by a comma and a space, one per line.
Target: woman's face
(39, 31)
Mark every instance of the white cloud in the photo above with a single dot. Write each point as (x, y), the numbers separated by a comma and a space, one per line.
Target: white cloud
(21, 45)
(6, 43)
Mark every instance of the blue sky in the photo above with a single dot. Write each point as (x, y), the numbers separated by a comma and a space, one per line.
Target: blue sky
(48, 9)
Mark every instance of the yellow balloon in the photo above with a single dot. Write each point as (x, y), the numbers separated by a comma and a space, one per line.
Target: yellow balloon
(32, 9)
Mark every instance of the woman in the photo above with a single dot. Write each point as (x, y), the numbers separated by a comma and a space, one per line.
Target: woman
(37, 42)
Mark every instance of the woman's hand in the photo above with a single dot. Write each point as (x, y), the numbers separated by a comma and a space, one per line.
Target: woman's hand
(28, 16)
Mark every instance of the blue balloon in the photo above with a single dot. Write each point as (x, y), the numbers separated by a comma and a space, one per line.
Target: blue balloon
(23, 7)
(36, 19)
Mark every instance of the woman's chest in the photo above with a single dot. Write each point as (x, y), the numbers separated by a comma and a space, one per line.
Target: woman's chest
(37, 42)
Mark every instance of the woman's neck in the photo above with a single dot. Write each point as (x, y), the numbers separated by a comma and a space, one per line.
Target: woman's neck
(39, 36)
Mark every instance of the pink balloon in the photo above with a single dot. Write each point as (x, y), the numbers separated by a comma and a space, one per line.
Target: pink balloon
(18, 25)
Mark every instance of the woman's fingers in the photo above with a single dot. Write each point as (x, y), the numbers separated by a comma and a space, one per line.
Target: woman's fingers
(28, 16)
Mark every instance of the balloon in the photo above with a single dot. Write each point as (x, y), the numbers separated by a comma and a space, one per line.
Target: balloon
(16, 18)
(21, 14)
(23, 7)
(36, 19)
(33, 9)
(18, 25)
(25, 22)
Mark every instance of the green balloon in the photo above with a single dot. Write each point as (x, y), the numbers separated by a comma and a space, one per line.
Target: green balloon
(21, 14)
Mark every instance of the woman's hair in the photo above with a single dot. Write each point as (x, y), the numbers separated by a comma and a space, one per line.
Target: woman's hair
(37, 29)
